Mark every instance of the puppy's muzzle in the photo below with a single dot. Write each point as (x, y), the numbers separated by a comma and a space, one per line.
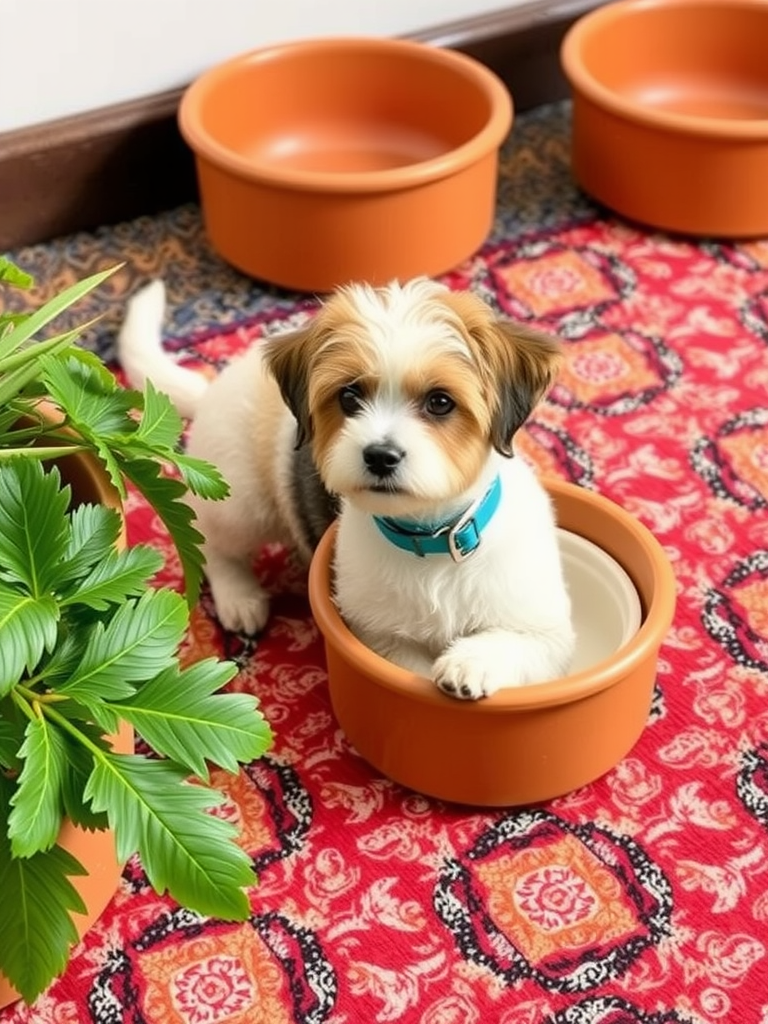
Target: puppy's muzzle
(383, 458)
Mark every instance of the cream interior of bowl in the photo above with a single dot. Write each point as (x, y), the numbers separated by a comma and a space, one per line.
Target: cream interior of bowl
(605, 603)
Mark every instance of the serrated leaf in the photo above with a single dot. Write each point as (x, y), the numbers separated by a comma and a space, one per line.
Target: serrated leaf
(78, 770)
(112, 465)
(37, 931)
(184, 849)
(35, 820)
(64, 658)
(96, 406)
(201, 477)
(140, 639)
(117, 576)
(95, 362)
(94, 529)
(166, 496)
(160, 425)
(33, 523)
(182, 717)
(28, 627)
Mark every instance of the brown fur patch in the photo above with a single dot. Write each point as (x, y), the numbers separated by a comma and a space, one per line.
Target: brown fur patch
(315, 362)
(516, 363)
(463, 433)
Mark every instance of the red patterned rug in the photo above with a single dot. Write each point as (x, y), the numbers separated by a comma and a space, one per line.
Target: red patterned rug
(640, 899)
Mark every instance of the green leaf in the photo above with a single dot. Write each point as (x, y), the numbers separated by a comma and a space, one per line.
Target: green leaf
(65, 655)
(38, 900)
(11, 738)
(22, 368)
(94, 529)
(33, 523)
(84, 355)
(166, 496)
(13, 275)
(28, 627)
(34, 355)
(182, 717)
(160, 425)
(104, 450)
(201, 477)
(96, 406)
(117, 576)
(140, 639)
(51, 309)
(184, 849)
(34, 822)
(78, 770)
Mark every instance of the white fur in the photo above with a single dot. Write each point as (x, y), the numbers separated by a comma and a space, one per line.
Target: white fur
(500, 618)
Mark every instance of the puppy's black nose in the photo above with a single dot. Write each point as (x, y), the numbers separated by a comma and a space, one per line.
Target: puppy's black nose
(383, 458)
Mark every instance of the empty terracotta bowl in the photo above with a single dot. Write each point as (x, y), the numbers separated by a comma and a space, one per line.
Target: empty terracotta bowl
(325, 161)
(521, 745)
(670, 112)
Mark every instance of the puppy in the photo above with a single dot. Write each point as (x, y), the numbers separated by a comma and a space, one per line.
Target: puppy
(394, 409)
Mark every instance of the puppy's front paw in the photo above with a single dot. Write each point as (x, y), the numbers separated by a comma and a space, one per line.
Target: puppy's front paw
(247, 616)
(241, 605)
(465, 673)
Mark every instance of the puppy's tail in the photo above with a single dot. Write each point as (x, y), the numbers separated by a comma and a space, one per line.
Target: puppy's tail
(141, 355)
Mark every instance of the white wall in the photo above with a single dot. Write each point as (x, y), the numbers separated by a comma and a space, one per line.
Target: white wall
(60, 57)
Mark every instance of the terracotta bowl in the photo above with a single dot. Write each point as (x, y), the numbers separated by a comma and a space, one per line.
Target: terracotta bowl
(521, 745)
(325, 161)
(670, 112)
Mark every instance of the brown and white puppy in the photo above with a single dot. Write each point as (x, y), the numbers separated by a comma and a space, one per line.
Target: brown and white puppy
(394, 408)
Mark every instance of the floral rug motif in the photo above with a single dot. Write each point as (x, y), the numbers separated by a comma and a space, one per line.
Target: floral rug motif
(639, 899)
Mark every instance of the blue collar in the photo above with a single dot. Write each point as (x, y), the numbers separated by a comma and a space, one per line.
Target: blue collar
(458, 537)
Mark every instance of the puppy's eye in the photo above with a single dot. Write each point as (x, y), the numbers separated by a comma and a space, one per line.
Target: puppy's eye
(439, 403)
(350, 399)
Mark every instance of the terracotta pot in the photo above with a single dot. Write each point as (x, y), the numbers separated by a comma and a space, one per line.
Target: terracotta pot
(670, 112)
(95, 850)
(521, 745)
(326, 161)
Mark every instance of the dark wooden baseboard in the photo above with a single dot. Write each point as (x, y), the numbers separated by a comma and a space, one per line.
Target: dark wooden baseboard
(129, 159)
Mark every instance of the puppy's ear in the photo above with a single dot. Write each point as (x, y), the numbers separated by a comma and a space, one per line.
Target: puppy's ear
(516, 364)
(288, 358)
(525, 364)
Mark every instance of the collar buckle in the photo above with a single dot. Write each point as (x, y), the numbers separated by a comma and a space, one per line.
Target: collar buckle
(464, 537)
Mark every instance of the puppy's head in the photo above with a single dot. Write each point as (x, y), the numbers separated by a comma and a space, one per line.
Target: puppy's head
(404, 391)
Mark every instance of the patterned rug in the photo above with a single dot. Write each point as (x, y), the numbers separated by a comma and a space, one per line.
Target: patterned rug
(640, 899)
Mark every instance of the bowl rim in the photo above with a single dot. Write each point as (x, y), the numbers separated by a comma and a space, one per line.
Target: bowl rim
(581, 79)
(565, 690)
(488, 139)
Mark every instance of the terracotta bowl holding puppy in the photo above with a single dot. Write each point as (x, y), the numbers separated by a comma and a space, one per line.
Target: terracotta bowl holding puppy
(524, 744)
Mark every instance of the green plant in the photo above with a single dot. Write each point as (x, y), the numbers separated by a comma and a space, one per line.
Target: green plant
(88, 643)
(134, 435)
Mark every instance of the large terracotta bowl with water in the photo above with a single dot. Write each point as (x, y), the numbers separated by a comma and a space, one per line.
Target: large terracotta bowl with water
(670, 112)
(325, 161)
(521, 745)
